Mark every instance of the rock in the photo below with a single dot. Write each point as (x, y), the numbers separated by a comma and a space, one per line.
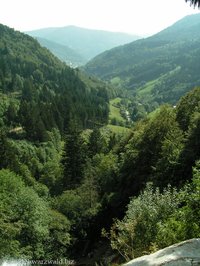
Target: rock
(182, 254)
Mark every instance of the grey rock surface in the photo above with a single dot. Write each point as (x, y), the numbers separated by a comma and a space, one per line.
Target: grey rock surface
(186, 253)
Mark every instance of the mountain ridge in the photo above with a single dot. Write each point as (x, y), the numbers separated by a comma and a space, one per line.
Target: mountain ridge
(169, 59)
(87, 42)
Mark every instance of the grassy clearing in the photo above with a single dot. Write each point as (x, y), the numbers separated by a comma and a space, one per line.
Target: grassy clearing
(118, 129)
(153, 113)
(115, 111)
(115, 101)
(147, 88)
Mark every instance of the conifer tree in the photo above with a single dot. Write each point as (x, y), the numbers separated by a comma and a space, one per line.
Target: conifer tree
(73, 158)
(95, 142)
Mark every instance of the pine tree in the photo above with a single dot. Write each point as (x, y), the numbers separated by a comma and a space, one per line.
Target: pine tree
(73, 159)
(95, 142)
(7, 156)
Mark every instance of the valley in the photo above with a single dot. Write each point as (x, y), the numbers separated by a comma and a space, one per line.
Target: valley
(99, 143)
(80, 44)
(156, 70)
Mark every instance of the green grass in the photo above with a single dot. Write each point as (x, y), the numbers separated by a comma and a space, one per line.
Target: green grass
(118, 129)
(153, 113)
(115, 111)
(147, 88)
(115, 101)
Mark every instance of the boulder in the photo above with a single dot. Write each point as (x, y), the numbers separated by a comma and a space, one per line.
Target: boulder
(185, 253)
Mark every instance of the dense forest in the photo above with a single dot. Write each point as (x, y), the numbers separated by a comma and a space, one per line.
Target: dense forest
(44, 92)
(72, 189)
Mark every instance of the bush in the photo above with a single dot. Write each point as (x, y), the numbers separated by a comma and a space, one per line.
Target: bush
(136, 233)
(184, 223)
(155, 220)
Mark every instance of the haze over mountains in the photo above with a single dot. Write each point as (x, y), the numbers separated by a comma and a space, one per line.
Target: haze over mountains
(86, 42)
(63, 52)
(160, 68)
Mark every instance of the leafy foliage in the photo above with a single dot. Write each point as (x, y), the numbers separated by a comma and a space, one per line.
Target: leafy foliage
(159, 218)
(142, 218)
(25, 222)
(184, 222)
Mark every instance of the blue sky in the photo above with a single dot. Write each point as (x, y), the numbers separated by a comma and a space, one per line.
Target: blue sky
(133, 16)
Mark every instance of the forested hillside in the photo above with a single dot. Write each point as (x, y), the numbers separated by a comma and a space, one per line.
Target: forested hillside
(72, 189)
(42, 103)
(63, 52)
(44, 92)
(158, 69)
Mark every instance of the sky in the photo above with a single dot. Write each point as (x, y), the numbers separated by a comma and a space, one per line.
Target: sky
(141, 17)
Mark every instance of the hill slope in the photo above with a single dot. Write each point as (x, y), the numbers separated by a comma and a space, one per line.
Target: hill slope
(49, 93)
(63, 52)
(88, 43)
(160, 68)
